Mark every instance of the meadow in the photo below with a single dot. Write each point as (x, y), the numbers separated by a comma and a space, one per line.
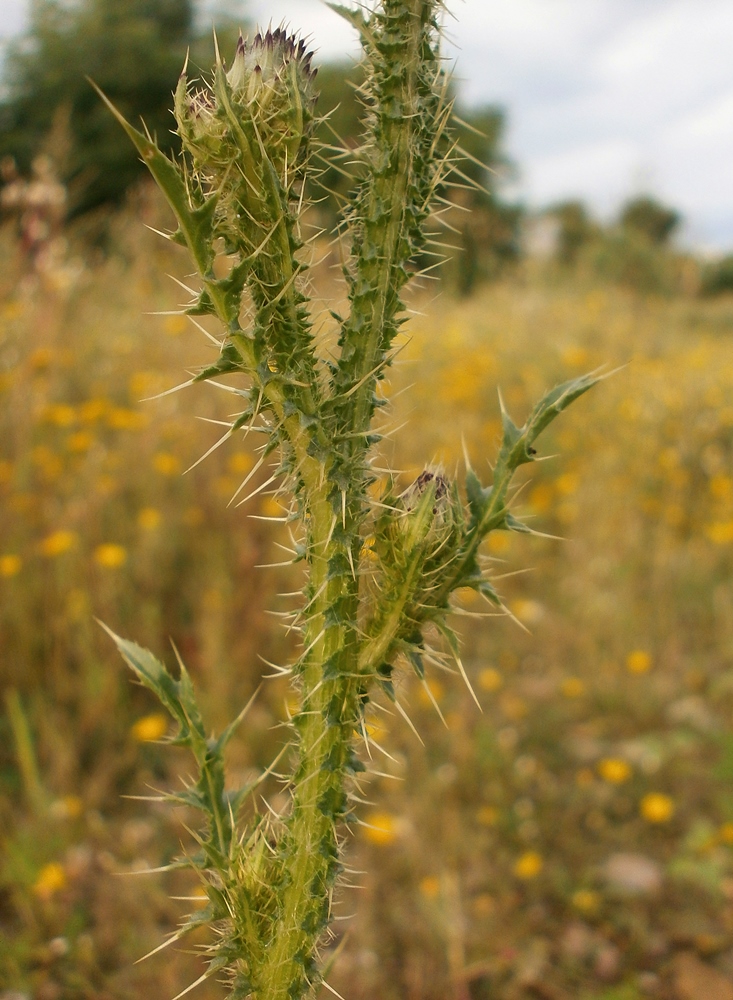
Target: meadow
(572, 840)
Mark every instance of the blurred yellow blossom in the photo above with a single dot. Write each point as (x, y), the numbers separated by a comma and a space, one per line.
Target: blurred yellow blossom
(499, 542)
(568, 483)
(110, 555)
(721, 487)
(150, 728)
(240, 463)
(528, 865)
(61, 414)
(572, 687)
(41, 358)
(80, 441)
(720, 532)
(380, 828)
(6, 472)
(93, 410)
(638, 662)
(432, 687)
(51, 879)
(489, 679)
(586, 901)
(656, 807)
(57, 543)
(488, 815)
(513, 707)
(430, 886)
(121, 418)
(726, 833)
(166, 464)
(614, 770)
(175, 325)
(10, 565)
(148, 518)
(271, 507)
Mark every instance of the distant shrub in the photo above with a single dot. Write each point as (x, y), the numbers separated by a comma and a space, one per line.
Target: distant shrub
(717, 277)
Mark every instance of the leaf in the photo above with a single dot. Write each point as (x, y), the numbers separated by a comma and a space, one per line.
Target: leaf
(196, 223)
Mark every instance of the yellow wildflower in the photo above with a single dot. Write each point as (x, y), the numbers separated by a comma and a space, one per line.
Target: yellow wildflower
(10, 565)
(380, 828)
(148, 518)
(240, 463)
(434, 688)
(656, 807)
(726, 833)
(614, 770)
(487, 815)
(57, 543)
(80, 441)
(572, 687)
(430, 886)
(490, 679)
(51, 879)
(720, 532)
(166, 464)
(586, 901)
(528, 865)
(174, 325)
(638, 662)
(149, 728)
(110, 555)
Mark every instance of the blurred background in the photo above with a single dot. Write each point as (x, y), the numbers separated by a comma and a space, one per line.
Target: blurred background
(574, 840)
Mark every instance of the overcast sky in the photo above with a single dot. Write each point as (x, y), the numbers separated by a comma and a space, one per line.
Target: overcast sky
(605, 98)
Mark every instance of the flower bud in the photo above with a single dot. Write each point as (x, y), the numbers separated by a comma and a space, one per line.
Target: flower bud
(265, 102)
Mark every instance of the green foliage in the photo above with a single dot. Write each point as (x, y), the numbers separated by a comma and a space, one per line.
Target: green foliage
(133, 49)
(575, 230)
(238, 192)
(717, 277)
(650, 219)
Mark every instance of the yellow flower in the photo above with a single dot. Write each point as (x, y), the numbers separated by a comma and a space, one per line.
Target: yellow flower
(91, 411)
(51, 879)
(166, 464)
(10, 565)
(528, 866)
(57, 543)
(150, 728)
(270, 507)
(487, 815)
(572, 687)
(435, 688)
(638, 662)
(61, 415)
(430, 886)
(80, 441)
(720, 532)
(586, 901)
(110, 556)
(148, 518)
(490, 679)
(499, 542)
(380, 828)
(174, 325)
(614, 770)
(656, 807)
(122, 419)
(240, 463)
(726, 833)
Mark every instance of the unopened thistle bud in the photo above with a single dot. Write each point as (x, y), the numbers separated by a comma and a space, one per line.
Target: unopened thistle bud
(253, 120)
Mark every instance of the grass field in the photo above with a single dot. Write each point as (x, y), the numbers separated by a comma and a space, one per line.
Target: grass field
(574, 840)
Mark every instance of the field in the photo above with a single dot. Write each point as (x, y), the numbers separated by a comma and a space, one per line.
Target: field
(573, 840)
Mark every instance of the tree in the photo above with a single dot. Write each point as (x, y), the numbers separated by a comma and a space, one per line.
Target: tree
(649, 218)
(134, 49)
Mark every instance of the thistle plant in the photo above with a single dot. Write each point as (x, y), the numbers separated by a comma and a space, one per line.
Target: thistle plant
(381, 565)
